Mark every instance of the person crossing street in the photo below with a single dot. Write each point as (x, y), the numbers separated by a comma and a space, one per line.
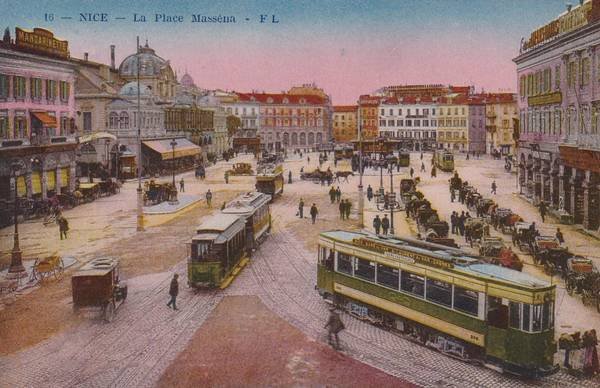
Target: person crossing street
(494, 187)
(334, 325)
(209, 198)
(385, 224)
(338, 194)
(377, 224)
(369, 193)
(347, 208)
(182, 185)
(342, 209)
(332, 194)
(543, 211)
(173, 292)
(313, 213)
(301, 208)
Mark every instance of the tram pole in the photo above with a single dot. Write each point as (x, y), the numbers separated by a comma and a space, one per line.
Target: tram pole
(140, 195)
(361, 198)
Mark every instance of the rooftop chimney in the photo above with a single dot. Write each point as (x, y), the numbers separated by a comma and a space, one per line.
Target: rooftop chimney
(112, 56)
(85, 57)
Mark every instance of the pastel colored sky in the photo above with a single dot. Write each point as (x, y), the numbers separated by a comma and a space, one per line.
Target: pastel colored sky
(346, 47)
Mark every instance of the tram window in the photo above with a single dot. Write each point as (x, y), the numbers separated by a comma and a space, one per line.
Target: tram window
(548, 317)
(466, 301)
(526, 317)
(387, 276)
(344, 264)
(365, 270)
(412, 283)
(201, 251)
(537, 317)
(439, 292)
(497, 313)
(514, 309)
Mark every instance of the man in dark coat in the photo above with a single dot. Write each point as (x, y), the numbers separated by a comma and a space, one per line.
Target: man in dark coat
(301, 208)
(347, 208)
(63, 227)
(289, 177)
(342, 208)
(313, 212)
(543, 211)
(453, 222)
(461, 223)
(369, 193)
(385, 224)
(560, 237)
(338, 194)
(334, 325)
(182, 185)
(412, 172)
(377, 224)
(174, 291)
(332, 194)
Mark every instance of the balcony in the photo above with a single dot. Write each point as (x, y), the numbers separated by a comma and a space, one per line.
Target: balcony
(490, 115)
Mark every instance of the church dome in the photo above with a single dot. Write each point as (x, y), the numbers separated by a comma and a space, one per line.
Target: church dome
(130, 90)
(187, 80)
(150, 63)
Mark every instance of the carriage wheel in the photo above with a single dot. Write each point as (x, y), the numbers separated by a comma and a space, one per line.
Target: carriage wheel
(59, 270)
(109, 311)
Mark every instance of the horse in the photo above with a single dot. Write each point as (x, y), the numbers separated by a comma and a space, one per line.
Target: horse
(343, 174)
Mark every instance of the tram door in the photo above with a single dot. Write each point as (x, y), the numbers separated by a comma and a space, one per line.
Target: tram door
(497, 319)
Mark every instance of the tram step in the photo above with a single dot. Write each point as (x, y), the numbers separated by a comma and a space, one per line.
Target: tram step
(234, 273)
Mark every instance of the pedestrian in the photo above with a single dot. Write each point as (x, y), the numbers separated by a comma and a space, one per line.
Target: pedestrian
(452, 195)
(494, 187)
(467, 155)
(338, 194)
(560, 237)
(385, 224)
(334, 325)
(369, 193)
(313, 212)
(342, 209)
(173, 292)
(377, 224)
(63, 227)
(433, 172)
(332, 194)
(412, 170)
(347, 208)
(421, 155)
(334, 162)
(290, 177)
(308, 159)
(301, 208)
(543, 211)
(422, 167)
(227, 177)
(461, 223)
(182, 185)
(453, 222)
(209, 198)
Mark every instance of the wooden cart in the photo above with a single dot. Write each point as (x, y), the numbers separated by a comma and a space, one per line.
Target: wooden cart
(46, 267)
(97, 285)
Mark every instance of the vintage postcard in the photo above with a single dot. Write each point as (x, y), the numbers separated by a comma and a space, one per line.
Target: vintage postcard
(278, 193)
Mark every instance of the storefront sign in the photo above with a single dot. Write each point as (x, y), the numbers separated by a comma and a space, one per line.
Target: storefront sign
(545, 99)
(401, 254)
(580, 158)
(41, 41)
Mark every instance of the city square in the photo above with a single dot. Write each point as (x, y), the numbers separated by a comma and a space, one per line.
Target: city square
(451, 232)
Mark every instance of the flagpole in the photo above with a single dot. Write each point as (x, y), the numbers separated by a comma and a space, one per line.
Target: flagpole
(361, 198)
(140, 195)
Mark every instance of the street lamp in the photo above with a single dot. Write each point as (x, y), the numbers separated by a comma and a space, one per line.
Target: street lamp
(388, 201)
(16, 269)
(173, 143)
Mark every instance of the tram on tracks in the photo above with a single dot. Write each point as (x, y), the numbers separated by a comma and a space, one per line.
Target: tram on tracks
(254, 207)
(269, 179)
(404, 159)
(442, 298)
(443, 160)
(224, 241)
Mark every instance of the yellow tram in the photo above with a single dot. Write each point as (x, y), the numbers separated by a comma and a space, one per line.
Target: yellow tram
(254, 207)
(443, 298)
(443, 160)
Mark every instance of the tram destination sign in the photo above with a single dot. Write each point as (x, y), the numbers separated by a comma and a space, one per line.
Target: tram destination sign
(401, 253)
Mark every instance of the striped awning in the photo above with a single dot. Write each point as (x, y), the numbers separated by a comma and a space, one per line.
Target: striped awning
(183, 147)
(45, 119)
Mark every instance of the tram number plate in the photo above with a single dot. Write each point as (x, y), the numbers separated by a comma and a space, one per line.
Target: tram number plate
(358, 310)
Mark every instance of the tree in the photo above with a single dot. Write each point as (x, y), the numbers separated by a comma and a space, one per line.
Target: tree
(233, 124)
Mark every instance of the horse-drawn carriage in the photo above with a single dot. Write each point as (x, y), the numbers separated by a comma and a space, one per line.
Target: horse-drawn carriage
(89, 191)
(43, 268)
(108, 187)
(554, 260)
(505, 220)
(155, 193)
(455, 183)
(317, 175)
(491, 246)
(523, 236)
(475, 230)
(240, 169)
(428, 221)
(496, 252)
(583, 278)
(541, 244)
(484, 206)
(97, 285)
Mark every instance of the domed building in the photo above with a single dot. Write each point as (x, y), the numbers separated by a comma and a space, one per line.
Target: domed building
(155, 72)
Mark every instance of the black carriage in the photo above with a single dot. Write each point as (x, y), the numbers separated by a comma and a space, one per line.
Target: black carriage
(540, 245)
(583, 279)
(554, 260)
(504, 220)
(475, 230)
(523, 236)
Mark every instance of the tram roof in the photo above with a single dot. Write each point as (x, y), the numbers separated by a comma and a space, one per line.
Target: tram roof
(218, 223)
(246, 203)
(463, 262)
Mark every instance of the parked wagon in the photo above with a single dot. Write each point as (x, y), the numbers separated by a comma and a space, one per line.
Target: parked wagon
(97, 285)
(89, 191)
(583, 278)
(241, 169)
(523, 236)
(554, 260)
(542, 244)
(475, 230)
(491, 246)
(505, 220)
(49, 266)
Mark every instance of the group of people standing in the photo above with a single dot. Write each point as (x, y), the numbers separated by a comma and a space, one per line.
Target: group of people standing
(457, 222)
(381, 224)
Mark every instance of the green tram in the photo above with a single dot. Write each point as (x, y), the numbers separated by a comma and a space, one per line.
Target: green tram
(444, 160)
(254, 207)
(404, 158)
(443, 298)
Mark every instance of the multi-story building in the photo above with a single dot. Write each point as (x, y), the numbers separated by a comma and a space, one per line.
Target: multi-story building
(246, 109)
(558, 70)
(290, 120)
(37, 110)
(500, 115)
(476, 124)
(345, 127)
(369, 116)
(453, 123)
(412, 120)
(423, 91)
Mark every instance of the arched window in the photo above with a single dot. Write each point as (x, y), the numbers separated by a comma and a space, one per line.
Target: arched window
(311, 138)
(124, 120)
(302, 138)
(294, 139)
(320, 137)
(113, 120)
(286, 138)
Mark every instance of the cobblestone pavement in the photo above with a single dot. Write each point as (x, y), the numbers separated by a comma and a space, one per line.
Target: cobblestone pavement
(145, 337)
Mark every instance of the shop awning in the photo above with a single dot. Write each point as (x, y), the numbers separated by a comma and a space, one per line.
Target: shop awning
(45, 118)
(184, 147)
(98, 135)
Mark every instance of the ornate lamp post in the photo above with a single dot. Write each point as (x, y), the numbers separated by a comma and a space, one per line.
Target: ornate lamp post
(173, 143)
(16, 269)
(388, 201)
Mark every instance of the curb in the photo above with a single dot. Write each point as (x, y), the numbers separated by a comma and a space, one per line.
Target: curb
(153, 213)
